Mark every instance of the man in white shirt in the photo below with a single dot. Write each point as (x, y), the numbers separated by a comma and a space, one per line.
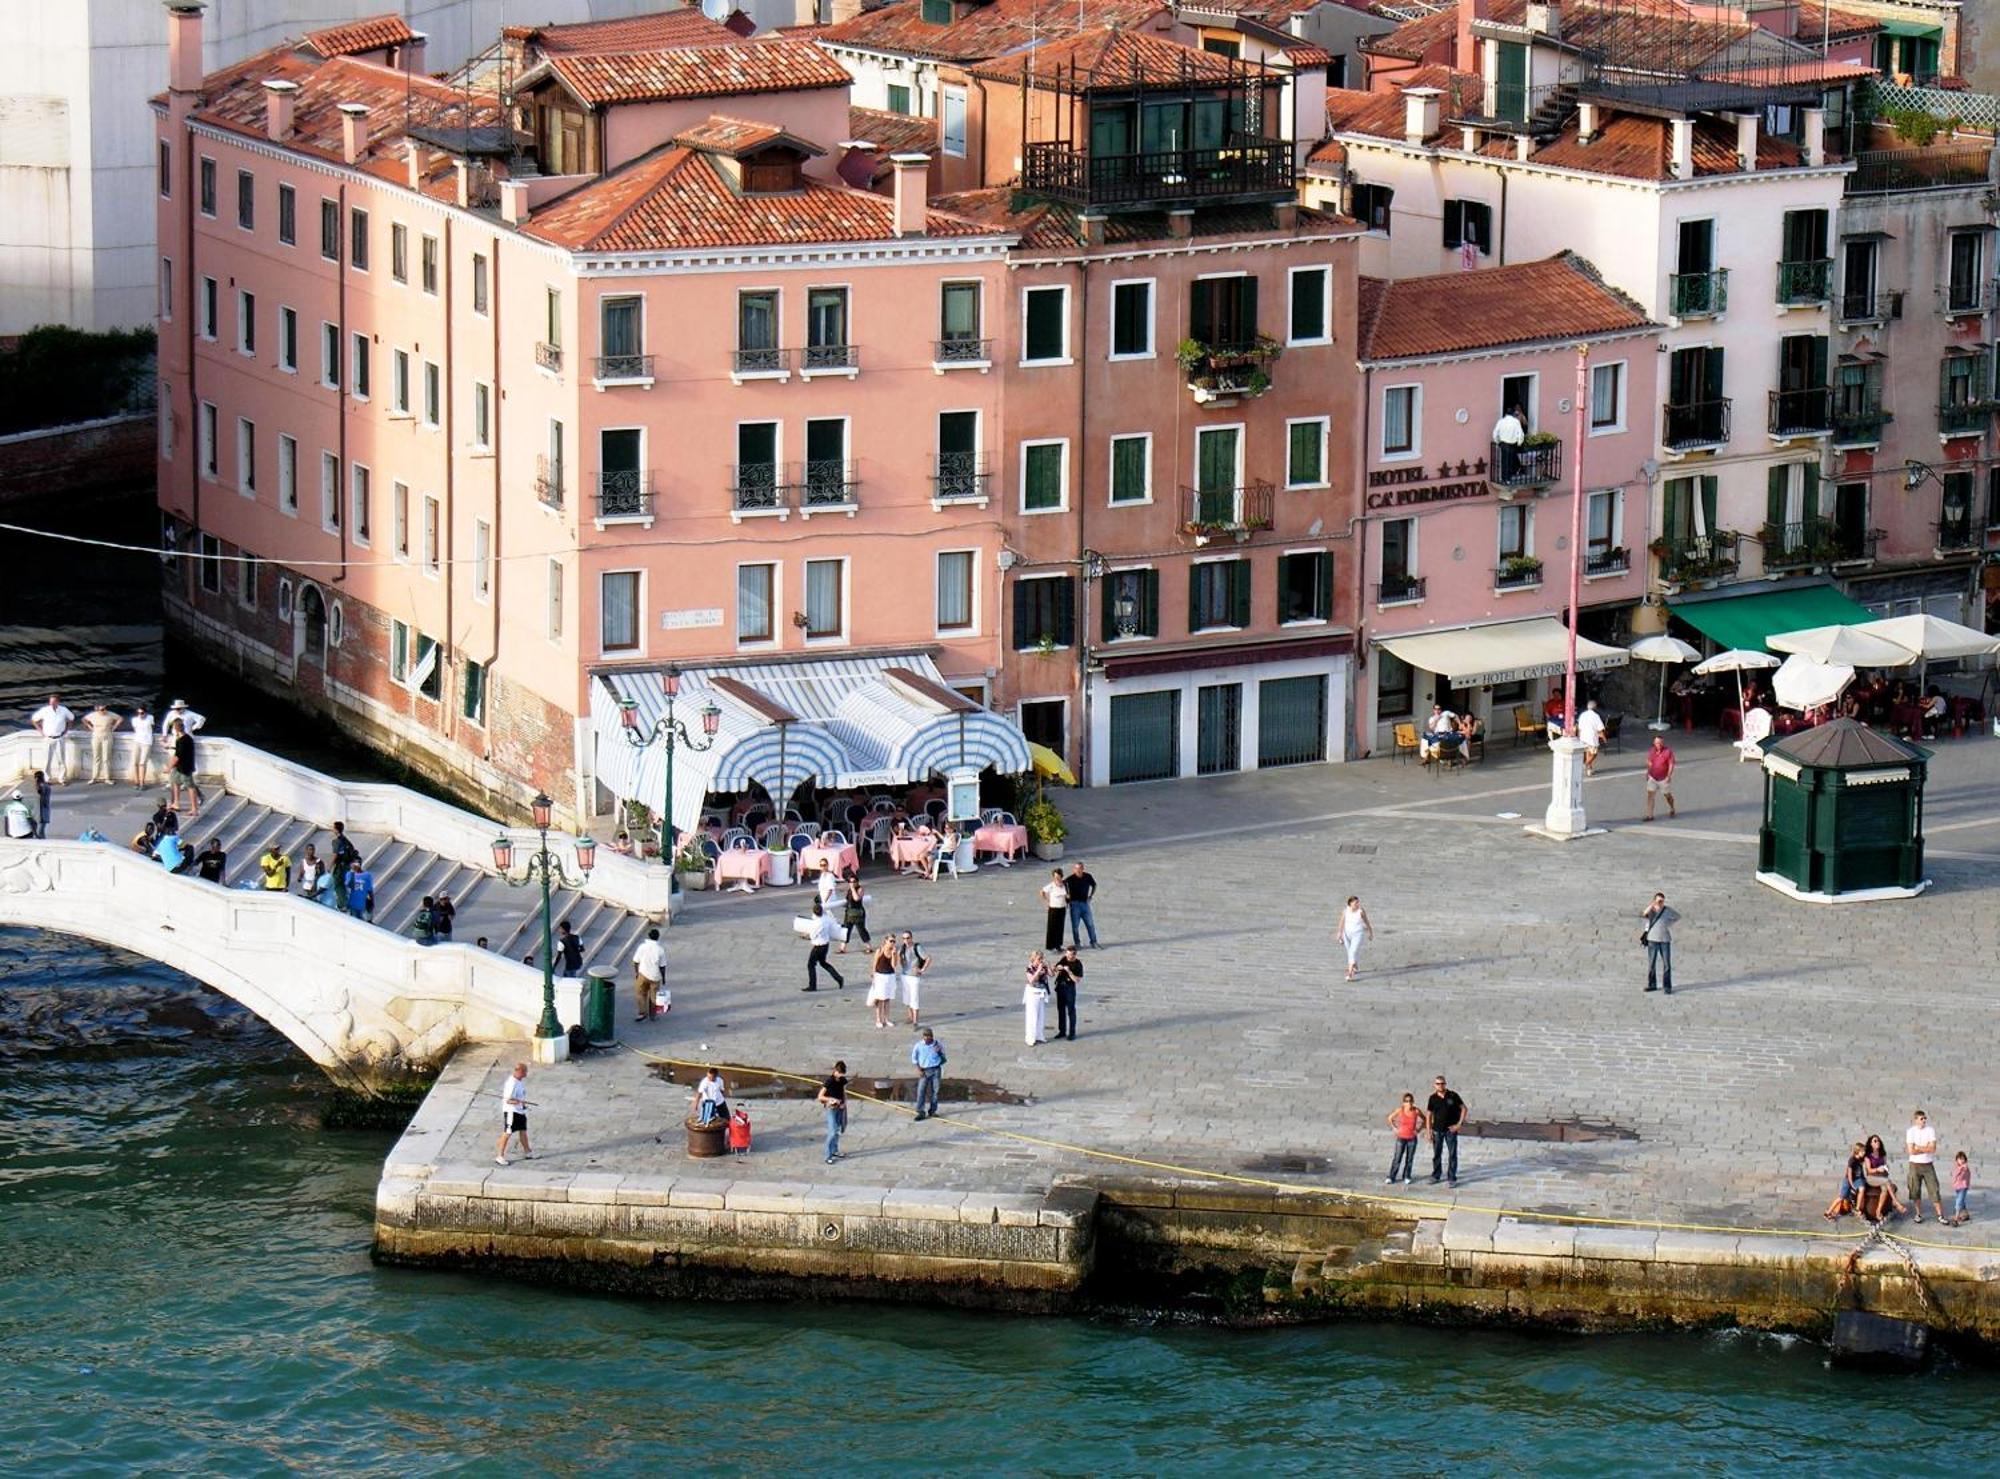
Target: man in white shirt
(1920, 1140)
(52, 722)
(649, 969)
(1590, 729)
(20, 821)
(142, 746)
(1507, 435)
(514, 1115)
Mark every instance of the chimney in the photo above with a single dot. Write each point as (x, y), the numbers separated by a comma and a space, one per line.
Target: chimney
(1093, 229)
(1586, 122)
(415, 156)
(1680, 163)
(1465, 52)
(1468, 138)
(278, 99)
(1815, 121)
(462, 181)
(912, 192)
(843, 10)
(1524, 146)
(1285, 215)
(353, 131)
(1545, 19)
(1420, 113)
(1746, 141)
(184, 45)
(513, 201)
(1180, 223)
(857, 164)
(411, 57)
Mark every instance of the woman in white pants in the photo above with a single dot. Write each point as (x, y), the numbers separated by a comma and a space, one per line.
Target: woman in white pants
(882, 986)
(1354, 928)
(1035, 1001)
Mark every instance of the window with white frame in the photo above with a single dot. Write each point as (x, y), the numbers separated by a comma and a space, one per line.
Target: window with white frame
(399, 382)
(472, 691)
(826, 600)
(1603, 538)
(1045, 326)
(429, 264)
(951, 121)
(482, 416)
(399, 251)
(204, 438)
(288, 216)
(399, 520)
(1305, 452)
(482, 560)
(1310, 318)
(246, 580)
(166, 287)
(1132, 319)
(433, 396)
(1044, 476)
(207, 182)
(329, 490)
(246, 322)
(360, 485)
(329, 355)
(210, 294)
(357, 368)
(555, 600)
(1402, 417)
(756, 603)
(246, 457)
(357, 232)
(1607, 397)
(210, 550)
(431, 535)
(1132, 468)
(288, 473)
(246, 200)
(479, 283)
(618, 610)
(288, 339)
(1517, 532)
(955, 604)
(329, 229)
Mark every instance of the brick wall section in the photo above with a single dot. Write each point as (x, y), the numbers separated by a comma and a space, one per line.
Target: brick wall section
(105, 455)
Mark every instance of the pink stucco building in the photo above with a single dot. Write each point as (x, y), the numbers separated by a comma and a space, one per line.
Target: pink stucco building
(1467, 541)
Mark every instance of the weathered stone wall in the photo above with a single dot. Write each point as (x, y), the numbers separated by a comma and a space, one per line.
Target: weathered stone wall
(100, 455)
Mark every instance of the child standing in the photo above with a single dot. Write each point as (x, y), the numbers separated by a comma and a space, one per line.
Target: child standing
(1961, 1185)
(739, 1132)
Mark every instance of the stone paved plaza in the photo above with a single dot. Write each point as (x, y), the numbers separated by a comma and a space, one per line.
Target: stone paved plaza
(1217, 1032)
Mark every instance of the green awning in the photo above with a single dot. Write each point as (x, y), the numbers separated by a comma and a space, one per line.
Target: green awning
(1745, 621)
(1910, 28)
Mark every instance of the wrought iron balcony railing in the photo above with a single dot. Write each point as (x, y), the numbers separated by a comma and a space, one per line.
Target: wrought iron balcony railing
(611, 367)
(760, 361)
(1396, 590)
(1806, 281)
(1859, 425)
(959, 477)
(829, 357)
(1691, 424)
(960, 350)
(1807, 411)
(549, 482)
(1698, 294)
(1525, 464)
(1227, 510)
(754, 487)
(1702, 557)
(549, 356)
(1246, 167)
(624, 495)
(826, 483)
(1606, 562)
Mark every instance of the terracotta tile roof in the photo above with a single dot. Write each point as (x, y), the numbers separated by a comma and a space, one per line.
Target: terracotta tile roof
(1457, 312)
(716, 71)
(1635, 35)
(892, 133)
(1381, 114)
(676, 199)
(234, 99)
(1835, 24)
(686, 27)
(1428, 36)
(372, 34)
(986, 30)
(1305, 54)
(1046, 227)
(1110, 58)
(736, 137)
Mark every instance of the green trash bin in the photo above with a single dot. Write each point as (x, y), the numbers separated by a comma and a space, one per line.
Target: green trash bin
(599, 1018)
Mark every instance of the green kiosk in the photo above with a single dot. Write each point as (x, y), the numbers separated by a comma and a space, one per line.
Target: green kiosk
(1843, 816)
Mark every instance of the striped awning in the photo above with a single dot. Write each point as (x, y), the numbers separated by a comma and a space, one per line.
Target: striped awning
(839, 722)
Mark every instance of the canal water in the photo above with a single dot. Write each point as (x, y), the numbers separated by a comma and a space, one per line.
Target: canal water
(185, 1283)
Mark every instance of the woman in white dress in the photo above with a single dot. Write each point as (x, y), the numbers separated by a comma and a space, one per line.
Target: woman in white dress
(1035, 1000)
(1354, 928)
(882, 987)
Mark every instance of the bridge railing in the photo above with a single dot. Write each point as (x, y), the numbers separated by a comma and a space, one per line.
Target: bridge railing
(451, 832)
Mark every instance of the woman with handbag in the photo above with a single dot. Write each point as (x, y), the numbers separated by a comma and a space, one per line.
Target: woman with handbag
(1056, 897)
(1035, 1000)
(854, 913)
(882, 987)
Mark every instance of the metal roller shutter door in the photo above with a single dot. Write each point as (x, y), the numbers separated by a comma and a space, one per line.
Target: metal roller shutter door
(1291, 721)
(1145, 736)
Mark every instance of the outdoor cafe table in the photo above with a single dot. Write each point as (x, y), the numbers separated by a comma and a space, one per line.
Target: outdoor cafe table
(840, 859)
(916, 848)
(746, 866)
(1007, 841)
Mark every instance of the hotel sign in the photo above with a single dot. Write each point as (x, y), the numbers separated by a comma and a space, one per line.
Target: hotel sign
(1408, 487)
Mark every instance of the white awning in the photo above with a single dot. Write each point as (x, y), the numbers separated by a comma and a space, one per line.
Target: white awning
(1505, 652)
(841, 723)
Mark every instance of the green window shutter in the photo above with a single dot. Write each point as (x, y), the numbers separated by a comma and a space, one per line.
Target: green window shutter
(1239, 593)
(1708, 486)
(1454, 222)
(1309, 303)
(1325, 612)
(1045, 323)
(1128, 469)
(1023, 615)
(1201, 310)
(1303, 464)
(1774, 495)
(1248, 327)
(1712, 389)
(1196, 574)
(1149, 602)
(1065, 612)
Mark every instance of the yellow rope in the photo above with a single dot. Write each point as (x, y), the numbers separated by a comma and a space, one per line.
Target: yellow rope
(1267, 1183)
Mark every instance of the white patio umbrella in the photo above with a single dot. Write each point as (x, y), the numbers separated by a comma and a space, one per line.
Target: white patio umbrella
(1737, 660)
(1801, 683)
(1932, 638)
(1665, 651)
(1849, 645)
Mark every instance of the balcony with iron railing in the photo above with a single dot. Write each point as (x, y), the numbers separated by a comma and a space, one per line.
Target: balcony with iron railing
(1955, 536)
(760, 361)
(1699, 557)
(1235, 511)
(755, 488)
(1798, 545)
(1870, 307)
(1859, 423)
(1806, 282)
(826, 484)
(1533, 463)
(624, 369)
(1806, 411)
(1965, 418)
(959, 477)
(1698, 294)
(1967, 299)
(549, 357)
(549, 481)
(1517, 573)
(1399, 590)
(1690, 425)
(828, 359)
(1226, 371)
(1612, 561)
(1881, 171)
(962, 352)
(1245, 169)
(626, 494)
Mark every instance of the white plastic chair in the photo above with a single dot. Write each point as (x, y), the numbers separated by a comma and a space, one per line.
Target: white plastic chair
(739, 842)
(810, 829)
(1756, 729)
(833, 839)
(875, 841)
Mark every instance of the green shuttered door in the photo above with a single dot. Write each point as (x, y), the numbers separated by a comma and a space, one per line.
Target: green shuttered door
(1291, 721)
(1145, 736)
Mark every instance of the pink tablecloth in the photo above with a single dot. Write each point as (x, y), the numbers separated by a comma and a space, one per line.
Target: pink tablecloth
(1007, 840)
(813, 858)
(742, 865)
(904, 851)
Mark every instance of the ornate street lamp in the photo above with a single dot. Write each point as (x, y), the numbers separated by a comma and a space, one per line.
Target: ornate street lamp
(544, 867)
(674, 734)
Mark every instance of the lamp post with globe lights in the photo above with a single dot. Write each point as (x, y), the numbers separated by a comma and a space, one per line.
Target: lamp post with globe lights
(674, 733)
(546, 868)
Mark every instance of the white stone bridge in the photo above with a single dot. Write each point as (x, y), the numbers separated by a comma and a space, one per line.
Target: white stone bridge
(364, 1001)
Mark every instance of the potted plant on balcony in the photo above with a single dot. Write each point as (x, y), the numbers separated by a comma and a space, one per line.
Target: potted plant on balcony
(1216, 371)
(1046, 829)
(1538, 456)
(1520, 570)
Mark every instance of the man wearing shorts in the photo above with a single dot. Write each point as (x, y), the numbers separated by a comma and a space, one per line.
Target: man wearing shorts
(1659, 776)
(649, 969)
(514, 1115)
(1590, 729)
(1920, 1140)
(911, 963)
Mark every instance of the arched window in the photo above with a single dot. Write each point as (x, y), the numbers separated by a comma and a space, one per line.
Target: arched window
(312, 611)
(336, 625)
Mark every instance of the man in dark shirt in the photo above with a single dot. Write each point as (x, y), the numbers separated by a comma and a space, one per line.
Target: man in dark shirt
(212, 862)
(833, 1099)
(1069, 974)
(1081, 888)
(1447, 1114)
(569, 950)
